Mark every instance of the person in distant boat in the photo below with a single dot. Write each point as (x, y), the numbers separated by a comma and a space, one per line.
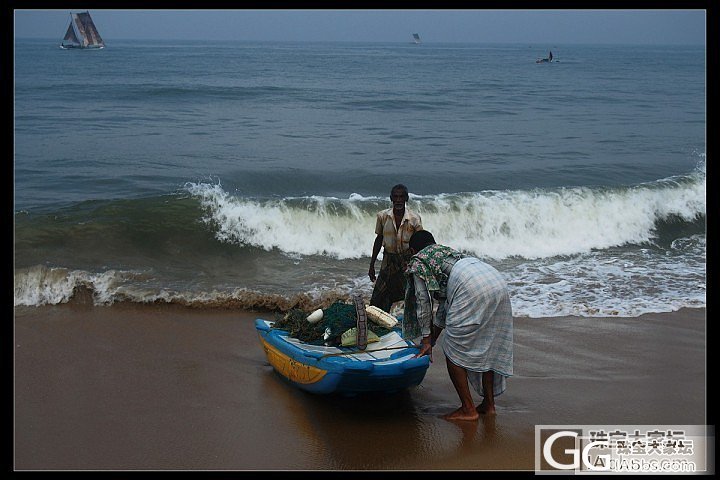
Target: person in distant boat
(545, 60)
(393, 229)
(475, 312)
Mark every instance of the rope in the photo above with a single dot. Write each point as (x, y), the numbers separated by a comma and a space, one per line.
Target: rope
(369, 351)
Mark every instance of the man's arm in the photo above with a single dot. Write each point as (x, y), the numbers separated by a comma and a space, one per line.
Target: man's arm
(423, 305)
(439, 323)
(375, 252)
(424, 309)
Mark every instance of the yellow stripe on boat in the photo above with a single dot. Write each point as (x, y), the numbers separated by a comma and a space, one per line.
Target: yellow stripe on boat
(290, 368)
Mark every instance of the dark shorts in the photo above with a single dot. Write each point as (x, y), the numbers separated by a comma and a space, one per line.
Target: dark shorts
(390, 284)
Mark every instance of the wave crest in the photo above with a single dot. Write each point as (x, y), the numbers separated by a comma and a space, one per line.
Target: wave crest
(491, 224)
(40, 285)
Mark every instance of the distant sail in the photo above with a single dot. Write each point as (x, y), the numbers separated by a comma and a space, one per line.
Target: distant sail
(416, 38)
(70, 35)
(82, 33)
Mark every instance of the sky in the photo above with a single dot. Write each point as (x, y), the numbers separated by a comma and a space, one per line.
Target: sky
(616, 26)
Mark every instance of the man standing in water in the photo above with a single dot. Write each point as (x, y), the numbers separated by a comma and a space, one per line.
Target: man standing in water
(475, 312)
(393, 229)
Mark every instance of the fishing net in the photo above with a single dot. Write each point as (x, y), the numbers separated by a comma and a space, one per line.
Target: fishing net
(337, 319)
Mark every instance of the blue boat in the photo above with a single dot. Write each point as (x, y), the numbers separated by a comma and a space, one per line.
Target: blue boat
(388, 365)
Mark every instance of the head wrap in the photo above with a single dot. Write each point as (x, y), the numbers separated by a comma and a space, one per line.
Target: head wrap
(427, 264)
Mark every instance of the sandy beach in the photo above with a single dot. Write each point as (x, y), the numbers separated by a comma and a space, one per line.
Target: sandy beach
(157, 387)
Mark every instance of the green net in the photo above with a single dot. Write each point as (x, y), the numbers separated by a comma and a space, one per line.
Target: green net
(337, 319)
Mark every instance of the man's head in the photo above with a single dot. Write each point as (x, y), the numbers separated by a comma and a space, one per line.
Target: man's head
(420, 240)
(399, 196)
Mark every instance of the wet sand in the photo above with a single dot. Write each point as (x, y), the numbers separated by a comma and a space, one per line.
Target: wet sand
(158, 387)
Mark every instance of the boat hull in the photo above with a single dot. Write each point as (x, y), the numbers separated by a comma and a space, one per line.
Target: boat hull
(73, 47)
(385, 366)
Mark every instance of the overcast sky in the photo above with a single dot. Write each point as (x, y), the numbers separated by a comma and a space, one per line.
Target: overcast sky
(669, 26)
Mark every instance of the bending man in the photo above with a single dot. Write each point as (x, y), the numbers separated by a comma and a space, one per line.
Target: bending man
(475, 312)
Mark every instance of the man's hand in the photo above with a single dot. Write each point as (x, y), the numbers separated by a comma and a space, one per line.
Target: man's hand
(425, 347)
(371, 273)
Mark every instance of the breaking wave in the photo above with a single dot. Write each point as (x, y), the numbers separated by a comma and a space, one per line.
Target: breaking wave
(533, 224)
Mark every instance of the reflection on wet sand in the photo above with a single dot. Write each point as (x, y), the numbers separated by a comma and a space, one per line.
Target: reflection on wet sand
(376, 431)
(363, 432)
(152, 387)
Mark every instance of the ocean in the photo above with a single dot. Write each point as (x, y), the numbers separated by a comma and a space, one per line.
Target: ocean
(248, 175)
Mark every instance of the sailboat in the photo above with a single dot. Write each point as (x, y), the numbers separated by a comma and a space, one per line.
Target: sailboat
(81, 33)
(416, 38)
(547, 59)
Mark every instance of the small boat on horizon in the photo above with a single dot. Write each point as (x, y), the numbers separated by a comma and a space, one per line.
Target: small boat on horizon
(82, 33)
(416, 38)
(548, 59)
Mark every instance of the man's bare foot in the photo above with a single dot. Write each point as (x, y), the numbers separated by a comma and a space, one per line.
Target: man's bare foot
(485, 409)
(461, 414)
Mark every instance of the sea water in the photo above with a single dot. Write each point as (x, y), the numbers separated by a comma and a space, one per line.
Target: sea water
(248, 175)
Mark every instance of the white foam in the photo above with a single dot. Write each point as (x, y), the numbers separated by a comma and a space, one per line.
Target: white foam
(589, 285)
(596, 284)
(317, 226)
(561, 251)
(40, 285)
(492, 224)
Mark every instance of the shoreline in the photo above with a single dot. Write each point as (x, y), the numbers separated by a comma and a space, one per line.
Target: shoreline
(161, 387)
